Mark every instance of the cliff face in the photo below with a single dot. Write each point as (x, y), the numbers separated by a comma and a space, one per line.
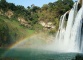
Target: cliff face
(48, 25)
(23, 21)
(80, 2)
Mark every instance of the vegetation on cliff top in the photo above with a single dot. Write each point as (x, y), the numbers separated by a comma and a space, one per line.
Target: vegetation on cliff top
(11, 30)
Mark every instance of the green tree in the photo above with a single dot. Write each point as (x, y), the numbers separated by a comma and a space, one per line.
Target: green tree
(45, 7)
(3, 1)
(4, 34)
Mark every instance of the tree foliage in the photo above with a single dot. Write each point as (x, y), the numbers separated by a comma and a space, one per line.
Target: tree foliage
(50, 12)
(4, 34)
(33, 14)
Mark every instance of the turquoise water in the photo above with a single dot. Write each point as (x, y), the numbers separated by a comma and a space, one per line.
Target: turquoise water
(33, 54)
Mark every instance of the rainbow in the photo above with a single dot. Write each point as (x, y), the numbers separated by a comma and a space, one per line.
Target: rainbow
(18, 42)
(15, 44)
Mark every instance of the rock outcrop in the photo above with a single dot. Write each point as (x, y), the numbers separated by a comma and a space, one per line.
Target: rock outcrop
(48, 25)
(80, 2)
(9, 13)
(23, 21)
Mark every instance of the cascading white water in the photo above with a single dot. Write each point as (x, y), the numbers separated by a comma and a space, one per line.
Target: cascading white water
(61, 31)
(70, 39)
(61, 27)
(76, 31)
(71, 20)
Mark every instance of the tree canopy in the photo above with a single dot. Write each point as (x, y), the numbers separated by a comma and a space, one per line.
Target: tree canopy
(50, 12)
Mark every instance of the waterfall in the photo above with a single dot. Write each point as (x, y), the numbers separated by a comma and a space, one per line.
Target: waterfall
(70, 38)
(61, 27)
(61, 31)
(76, 31)
(69, 26)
